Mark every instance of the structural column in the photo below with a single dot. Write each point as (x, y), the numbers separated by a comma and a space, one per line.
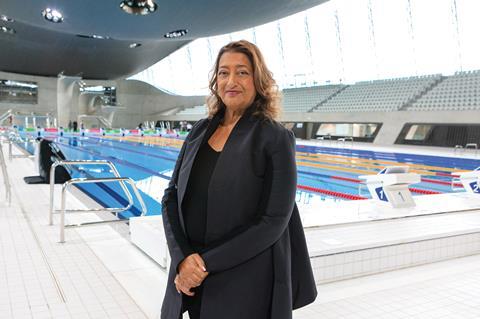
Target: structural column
(67, 99)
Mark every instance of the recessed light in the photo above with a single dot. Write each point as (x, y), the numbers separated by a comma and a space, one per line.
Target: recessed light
(176, 34)
(101, 37)
(52, 15)
(5, 18)
(7, 30)
(31, 85)
(141, 7)
(134, 45)
(93, 36)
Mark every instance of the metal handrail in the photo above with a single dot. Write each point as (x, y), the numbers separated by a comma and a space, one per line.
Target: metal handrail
(96, 180)
(457, 149)
(102, 120)
(324, 139)
(11, 156)
(5, 115)
(14, 135)
(6, 179)
(472, 146)
(344, 140)
(82, 162)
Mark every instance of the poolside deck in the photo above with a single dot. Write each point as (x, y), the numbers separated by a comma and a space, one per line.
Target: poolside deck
(99, 273)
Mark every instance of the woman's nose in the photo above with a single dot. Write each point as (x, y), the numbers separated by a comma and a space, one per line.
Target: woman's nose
(232, 79)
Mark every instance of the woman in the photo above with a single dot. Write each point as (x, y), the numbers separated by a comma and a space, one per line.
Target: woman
(234, 234)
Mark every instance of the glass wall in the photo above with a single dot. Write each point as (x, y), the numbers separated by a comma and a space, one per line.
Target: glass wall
(446, 135)
(342, 41)
(358, 131)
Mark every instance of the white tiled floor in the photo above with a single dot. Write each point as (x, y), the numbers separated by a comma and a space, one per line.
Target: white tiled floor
(449, 289)
(98, 273)
(330, 240)
(368, 210)
(41, 278)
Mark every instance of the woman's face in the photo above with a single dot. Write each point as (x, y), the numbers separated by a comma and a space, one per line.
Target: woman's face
(235, 82)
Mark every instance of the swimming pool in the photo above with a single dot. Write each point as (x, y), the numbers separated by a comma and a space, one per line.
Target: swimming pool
(331, 173)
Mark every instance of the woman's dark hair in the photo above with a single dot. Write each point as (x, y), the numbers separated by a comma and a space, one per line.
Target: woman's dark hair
(267, 100)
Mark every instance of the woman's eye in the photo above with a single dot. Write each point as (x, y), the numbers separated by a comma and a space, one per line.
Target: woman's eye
(222, 73)
(243, 73)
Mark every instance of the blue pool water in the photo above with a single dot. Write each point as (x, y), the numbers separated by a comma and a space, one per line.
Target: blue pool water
(321, 170)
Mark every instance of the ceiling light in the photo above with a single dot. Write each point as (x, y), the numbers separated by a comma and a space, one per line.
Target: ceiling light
(134, 45)
(97, 88)
(93, 36)
(141, 7)
(31, 85)
(176, 34)
(52, 15)
(7, 30)
(101, 37)
(5, 18)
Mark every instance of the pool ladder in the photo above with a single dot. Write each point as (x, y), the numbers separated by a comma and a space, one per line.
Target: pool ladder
(76, 181)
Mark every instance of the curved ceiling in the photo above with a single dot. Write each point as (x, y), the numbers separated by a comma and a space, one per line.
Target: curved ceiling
(39, 47)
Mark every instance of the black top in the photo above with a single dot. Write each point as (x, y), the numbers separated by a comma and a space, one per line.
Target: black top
(196, 196)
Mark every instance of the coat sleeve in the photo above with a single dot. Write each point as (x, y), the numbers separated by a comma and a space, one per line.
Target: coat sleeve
(177, 242)
(265, 230)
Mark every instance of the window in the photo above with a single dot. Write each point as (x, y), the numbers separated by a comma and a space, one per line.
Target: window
(18, 92)
(359, 131)
(418, 132)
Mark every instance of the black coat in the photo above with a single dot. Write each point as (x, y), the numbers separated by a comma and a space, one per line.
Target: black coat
(256, 254)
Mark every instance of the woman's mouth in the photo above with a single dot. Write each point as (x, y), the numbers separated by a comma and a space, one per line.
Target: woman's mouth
(232, 93)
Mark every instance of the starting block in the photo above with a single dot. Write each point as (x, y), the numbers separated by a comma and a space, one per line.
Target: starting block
(391, 185)
(470, 180)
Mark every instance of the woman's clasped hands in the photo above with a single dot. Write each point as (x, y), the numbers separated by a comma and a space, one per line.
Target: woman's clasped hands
(191, 273)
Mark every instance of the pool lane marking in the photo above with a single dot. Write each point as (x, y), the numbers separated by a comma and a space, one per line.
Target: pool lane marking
(370, 169)
(383, 162)
(157, 140)
(163, 141)
(129, 150)
(336, 168)
(127, 163)
(344, 160)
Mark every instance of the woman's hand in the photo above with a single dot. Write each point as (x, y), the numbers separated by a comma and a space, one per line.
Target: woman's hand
(191, 274)
(181, 287)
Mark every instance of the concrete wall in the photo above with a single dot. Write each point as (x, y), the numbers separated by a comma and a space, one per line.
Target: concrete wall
(144, 102)
(393, 122)
(138, 100)
(141, 102)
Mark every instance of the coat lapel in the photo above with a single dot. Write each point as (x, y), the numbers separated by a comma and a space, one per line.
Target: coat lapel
(189, 158)
(225, 159)
(228, 154)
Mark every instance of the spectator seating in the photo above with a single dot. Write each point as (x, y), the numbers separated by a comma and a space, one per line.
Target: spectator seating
(460, 91)
(379, 95)
(306, 98)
